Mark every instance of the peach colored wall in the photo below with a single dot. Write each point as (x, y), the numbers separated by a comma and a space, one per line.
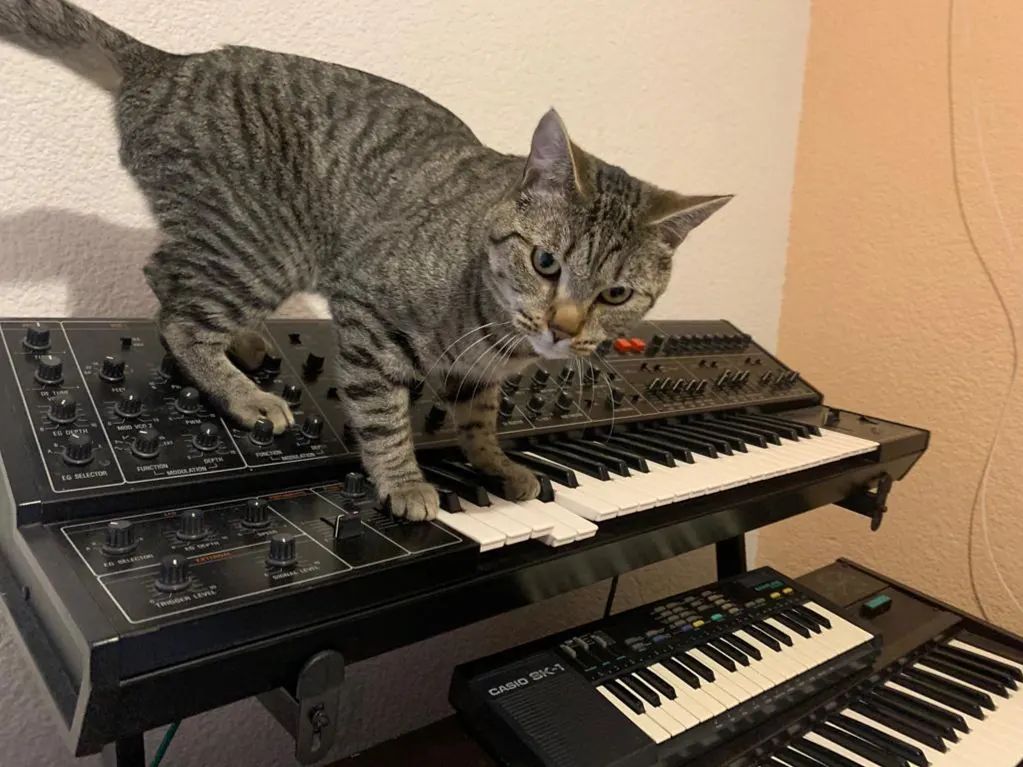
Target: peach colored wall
(903, 285)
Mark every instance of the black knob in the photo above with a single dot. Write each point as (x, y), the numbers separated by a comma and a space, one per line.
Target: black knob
(37, 338)
(617, 396)
(257, 514)
(313, 364)
(63, 410)
(168, 367)
(511, 383)
(270, 364)
(129, 406)
(50, 369)
(292, 393)
(506, 408)
(192, 525)
(282, 551)
(78, 449)
(656, 343)
(355, 485)
(589, 374)
(604, 347)
(188, 400)
(262, 432)
(535, 404)
(435, 417)
(564, 402)
(312, 426)
(540, 377)
(566, 376)
(112, 369)
(415, 389)
(120, 537)
(146, 444)
(173, 574)
(207, 438)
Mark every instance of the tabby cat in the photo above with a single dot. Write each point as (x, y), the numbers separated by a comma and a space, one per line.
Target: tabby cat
(272, 174)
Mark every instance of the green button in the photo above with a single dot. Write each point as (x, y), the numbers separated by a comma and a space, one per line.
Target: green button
(717, 617)
(777, 585)
(878, 601)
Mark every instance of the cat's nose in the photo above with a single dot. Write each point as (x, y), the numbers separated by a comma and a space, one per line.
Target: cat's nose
(566, 320)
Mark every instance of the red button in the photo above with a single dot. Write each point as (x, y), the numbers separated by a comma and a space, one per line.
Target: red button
(638, 344)
(623, 345)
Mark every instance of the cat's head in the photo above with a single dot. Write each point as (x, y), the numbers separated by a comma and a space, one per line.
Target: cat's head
(581, 250)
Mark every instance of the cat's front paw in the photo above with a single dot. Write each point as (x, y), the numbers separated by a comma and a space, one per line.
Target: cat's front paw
(520, 484)
(250, 406)
(414, 500)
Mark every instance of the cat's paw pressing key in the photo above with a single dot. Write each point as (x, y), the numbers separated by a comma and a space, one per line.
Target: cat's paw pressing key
(520, 484)
(414, 500)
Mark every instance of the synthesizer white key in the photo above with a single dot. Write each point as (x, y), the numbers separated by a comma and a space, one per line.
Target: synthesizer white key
(650, 728)
(493, 516)
(486, 536)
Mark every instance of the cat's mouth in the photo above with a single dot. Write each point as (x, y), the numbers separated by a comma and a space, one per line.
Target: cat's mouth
(546, 346)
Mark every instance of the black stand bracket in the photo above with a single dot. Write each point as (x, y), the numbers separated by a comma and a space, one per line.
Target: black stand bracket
(310, 714)
(871, 500)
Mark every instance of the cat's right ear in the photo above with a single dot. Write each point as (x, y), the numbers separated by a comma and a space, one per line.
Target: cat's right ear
(555, 165)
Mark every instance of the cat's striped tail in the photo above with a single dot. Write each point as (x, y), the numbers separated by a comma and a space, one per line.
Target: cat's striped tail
(64, 32)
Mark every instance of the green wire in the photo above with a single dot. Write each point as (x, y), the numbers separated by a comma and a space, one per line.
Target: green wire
(164, 744)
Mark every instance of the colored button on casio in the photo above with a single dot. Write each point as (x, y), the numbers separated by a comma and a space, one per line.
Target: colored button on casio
(775, 595)
(787, 590)
(717, 617)
(876, 605)
(697, 624)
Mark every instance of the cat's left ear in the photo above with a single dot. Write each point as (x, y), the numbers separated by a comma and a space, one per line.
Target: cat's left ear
(676, 215)
(555, 165)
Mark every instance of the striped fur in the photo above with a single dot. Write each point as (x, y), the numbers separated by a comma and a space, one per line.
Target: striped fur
(271, 174)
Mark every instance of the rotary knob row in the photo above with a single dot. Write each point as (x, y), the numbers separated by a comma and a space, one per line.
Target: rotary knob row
(175, 570)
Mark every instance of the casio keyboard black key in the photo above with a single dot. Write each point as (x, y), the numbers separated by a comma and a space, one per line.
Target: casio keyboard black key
(696, 666)
(802, 620)
(924, 718)
(683, 673)
(882, 740)
(742, 644)
(774, 633)
(702, 447)
(968, 674)
(639, 689)
(634, 461)
(1004, 677)
(716, 655)
(940, 694)
(821, 619)
(626, 696)
(961, 691)
(793, 625)
(973, 656)
(860, 747)
(923, 708)
(614, 463)
(729, 651)
(763, 637)
(657, 683)
(574, 460)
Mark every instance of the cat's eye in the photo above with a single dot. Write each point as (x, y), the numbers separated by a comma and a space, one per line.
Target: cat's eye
(616, 295)
(545, 263)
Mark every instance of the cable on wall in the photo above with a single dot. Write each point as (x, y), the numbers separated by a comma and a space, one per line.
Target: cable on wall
(979, 509)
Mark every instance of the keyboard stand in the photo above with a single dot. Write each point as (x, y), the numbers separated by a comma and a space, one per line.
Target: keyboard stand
(731, 556)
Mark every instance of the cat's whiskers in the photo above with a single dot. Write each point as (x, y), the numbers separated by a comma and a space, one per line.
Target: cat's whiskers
(451, 368)
(501, 359)
(476, 361)
(611, 399)
(440, 357)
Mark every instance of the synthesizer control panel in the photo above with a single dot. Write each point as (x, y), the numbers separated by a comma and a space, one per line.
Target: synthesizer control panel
(108, 408)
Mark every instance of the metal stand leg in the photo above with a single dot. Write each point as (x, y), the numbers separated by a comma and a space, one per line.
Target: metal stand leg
(731, 556)
(129, 751)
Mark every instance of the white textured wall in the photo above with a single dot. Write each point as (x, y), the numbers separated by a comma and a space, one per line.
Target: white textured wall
(701, 96)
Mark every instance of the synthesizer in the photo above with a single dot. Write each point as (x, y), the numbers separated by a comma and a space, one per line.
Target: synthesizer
(160, 560)
(664, 682)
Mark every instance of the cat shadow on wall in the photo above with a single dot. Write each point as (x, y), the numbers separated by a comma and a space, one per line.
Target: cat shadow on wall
(61, 263)
(56, 262)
